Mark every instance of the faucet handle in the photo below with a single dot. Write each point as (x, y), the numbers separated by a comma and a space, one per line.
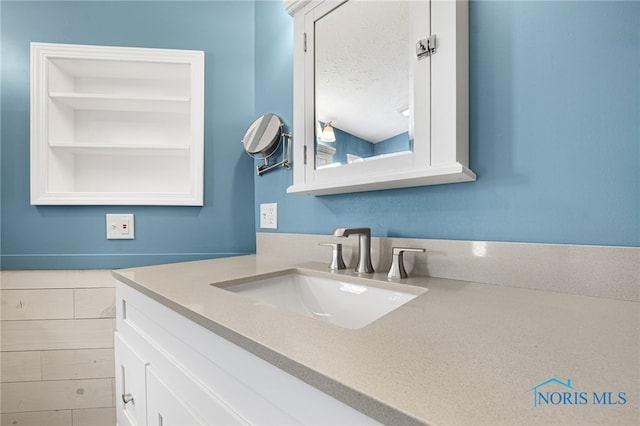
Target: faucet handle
(336, 260)
(397, 265)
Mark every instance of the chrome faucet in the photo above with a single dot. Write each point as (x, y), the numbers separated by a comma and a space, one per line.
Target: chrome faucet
(364, 256)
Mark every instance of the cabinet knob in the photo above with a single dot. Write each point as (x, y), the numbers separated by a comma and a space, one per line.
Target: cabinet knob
(127, 397)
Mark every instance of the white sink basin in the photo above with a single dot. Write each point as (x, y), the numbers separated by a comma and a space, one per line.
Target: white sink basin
(332, 300)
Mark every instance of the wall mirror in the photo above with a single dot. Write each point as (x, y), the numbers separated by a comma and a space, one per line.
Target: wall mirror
(362, 82)
(380, 94)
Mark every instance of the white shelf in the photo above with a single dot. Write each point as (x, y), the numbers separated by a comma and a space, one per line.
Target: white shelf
(116, 125)
(119, 149)
(98, 102)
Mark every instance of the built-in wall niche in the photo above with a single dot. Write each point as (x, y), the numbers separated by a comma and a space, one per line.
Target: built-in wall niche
(116, 125)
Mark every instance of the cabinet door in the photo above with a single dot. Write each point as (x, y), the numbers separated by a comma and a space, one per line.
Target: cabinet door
(165, 407)
(130, 383)
(168, 407)
(431, 140)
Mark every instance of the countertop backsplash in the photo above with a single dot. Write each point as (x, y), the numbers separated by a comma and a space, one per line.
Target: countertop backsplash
(598, 271)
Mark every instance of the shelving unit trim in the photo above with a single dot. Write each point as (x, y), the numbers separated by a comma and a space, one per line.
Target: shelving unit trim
(116, 125)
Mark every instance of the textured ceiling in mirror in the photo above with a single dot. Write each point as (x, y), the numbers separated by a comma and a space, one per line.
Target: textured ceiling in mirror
(362, 58)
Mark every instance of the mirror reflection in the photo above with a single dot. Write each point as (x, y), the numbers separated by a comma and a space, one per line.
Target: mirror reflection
(362, 82)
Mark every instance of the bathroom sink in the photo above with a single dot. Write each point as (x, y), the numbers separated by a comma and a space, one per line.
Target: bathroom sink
(336, 301)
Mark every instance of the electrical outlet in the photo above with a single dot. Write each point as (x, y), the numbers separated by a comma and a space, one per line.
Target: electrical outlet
(269, 216)
(120, 227)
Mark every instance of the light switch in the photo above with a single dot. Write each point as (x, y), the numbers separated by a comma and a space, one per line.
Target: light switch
(120, 226)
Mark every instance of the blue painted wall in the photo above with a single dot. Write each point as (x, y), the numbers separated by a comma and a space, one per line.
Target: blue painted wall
(554, 114)
(347, 143)
(74, 237)
(554, 133)
(397, 143)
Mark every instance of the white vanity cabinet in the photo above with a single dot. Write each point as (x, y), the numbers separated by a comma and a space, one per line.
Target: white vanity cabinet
(180, 373)
(116, 125)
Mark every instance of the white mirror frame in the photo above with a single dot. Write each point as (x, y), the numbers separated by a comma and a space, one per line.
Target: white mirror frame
(440, 105)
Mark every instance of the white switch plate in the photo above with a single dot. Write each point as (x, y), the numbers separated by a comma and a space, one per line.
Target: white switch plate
(269, 216)
(120, 226)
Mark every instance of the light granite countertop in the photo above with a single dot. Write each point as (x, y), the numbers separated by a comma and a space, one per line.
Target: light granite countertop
(463, 353)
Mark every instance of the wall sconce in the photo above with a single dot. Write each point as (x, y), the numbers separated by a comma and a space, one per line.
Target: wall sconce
(328, 134)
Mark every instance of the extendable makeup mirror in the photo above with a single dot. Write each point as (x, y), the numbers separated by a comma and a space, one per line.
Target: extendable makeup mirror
(262, 139)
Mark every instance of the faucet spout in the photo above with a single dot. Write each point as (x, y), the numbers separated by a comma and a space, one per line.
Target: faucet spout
(364, 255)
(345, 232)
